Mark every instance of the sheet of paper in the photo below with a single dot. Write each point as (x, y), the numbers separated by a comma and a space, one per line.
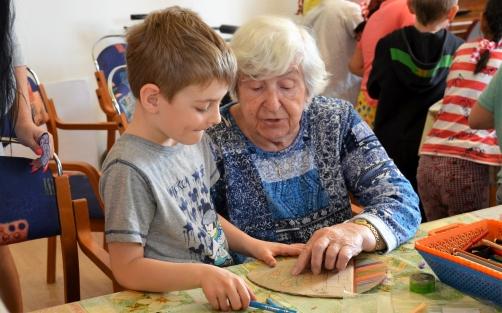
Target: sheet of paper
(328, 284)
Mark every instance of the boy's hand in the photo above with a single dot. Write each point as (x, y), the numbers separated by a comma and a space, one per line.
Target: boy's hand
(266, 251)
(224, 290)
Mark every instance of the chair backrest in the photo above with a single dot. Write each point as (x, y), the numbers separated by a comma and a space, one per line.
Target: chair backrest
(39, 205)
(463, 28)
(120, 91)
(474, 33)
(40, 99)
(108, 52)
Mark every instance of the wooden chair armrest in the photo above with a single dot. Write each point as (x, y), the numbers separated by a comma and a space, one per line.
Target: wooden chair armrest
(88, 170)
(87, 244)
(87, 126)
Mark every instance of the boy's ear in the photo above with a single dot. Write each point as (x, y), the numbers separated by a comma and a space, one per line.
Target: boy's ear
(149, 98)
(453, 11)
(410, 6)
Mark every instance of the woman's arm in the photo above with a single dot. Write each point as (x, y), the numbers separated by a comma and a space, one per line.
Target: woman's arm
(389, 201)
(480, 118)
(26, 131)
(356, 64)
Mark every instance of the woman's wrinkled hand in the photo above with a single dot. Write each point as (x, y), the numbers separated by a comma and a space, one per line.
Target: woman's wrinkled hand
(334, 246)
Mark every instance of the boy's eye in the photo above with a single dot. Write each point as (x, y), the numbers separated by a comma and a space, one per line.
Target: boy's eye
(202, 110)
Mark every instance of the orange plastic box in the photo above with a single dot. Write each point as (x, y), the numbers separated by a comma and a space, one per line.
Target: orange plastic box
(464, 275)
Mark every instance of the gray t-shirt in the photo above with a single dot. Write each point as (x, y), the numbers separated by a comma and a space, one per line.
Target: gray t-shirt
(159, 197)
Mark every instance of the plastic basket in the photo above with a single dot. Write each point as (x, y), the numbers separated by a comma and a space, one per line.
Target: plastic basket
(464, 275)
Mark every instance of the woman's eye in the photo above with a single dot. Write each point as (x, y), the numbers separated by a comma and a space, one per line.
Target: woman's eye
(202, 110)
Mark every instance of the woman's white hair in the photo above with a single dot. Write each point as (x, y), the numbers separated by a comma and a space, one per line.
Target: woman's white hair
(267, 46)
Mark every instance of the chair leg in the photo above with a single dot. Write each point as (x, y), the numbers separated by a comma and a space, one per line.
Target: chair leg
(51, 260)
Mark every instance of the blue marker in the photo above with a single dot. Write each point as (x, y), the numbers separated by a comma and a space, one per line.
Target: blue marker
(268, 307)
(272, 302)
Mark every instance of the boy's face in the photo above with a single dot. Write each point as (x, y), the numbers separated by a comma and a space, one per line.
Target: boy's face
(190, 112)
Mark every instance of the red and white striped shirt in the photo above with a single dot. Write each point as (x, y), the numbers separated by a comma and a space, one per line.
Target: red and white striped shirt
(451, 135)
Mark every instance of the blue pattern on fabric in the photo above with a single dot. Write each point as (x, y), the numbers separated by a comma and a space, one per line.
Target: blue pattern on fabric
(346, 157)
(296, 197)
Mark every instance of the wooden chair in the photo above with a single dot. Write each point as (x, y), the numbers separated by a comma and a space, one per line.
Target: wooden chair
(82, 186)
(39, 205)
(108, 54)
(95, 252)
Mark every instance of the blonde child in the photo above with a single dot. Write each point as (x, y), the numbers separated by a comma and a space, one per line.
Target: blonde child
(161, 226)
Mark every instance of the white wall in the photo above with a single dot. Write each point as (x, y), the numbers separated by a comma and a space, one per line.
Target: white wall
(57, 36)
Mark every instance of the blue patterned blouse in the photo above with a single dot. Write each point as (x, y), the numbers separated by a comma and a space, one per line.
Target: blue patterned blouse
(285, 196)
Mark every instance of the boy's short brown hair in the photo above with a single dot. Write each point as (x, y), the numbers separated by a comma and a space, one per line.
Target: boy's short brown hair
(430, 11)
(174, 48)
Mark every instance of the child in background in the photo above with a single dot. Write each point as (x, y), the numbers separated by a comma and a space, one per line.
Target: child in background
(384, 18)
(161, 227)
(408, 76)
(453, 171)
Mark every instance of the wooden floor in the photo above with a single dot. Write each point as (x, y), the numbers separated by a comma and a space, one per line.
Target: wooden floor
(31, 264)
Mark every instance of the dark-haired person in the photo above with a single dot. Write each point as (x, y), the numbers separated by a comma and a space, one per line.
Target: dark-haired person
(384, 17)
(408, 76)
(15, 108)
(453, 171)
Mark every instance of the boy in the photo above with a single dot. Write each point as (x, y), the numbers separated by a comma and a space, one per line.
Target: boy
(408, 76)
(161, 227)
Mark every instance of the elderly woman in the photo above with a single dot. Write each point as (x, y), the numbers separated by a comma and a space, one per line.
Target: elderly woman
(288, 160)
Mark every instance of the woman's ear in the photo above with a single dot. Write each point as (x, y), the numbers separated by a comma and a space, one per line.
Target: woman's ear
(149, 98)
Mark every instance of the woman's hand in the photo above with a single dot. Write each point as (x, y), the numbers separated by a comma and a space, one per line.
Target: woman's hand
(224, 290)
(267, 251)
(334, 246)
(28, 134)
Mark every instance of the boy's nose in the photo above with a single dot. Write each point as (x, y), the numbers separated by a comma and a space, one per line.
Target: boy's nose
(215, 117)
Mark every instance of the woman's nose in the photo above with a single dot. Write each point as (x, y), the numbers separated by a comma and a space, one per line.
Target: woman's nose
(272, 99)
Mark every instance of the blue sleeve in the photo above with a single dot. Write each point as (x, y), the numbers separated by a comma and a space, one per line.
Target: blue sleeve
(389, 201)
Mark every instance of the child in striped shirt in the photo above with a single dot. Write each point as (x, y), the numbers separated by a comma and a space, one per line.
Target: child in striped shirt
(453, 171)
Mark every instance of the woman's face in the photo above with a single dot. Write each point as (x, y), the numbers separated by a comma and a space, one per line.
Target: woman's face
(270, 110)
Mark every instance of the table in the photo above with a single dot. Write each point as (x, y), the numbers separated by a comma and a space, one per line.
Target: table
(390, 297)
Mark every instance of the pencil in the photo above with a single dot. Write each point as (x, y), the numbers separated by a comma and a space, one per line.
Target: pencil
(497, 247)
(479, 260)
(421, 308)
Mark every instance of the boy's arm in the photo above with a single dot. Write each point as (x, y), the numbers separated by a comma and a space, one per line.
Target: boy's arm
(223, 289)
(265, 251)
(133, 271)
